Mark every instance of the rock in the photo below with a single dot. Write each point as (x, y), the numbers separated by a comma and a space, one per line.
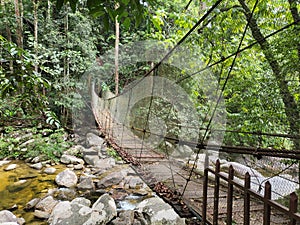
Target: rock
(7, 216)
(37, 166)
(94, 140)
(182, 151)
(124, 218)
(9, 223)
(141, 192)
(32, 203)
(11, 167)
(75, 150)
(46, 204)
(134, 182)
(50, 170)
(21, 221)
(13, 207)
(157, 212)
(4, 162)
(41, 214)
(86, 183)
(66, 178)
(78, 167)
(36, 159)
(91, 159)
(82, 201)
(29, 175)
(64, 194)
(102, 211)
(118, 195)
(112, 179)
(18, 186)
(70, 159)
(69, 213)
(91, 151)
(105, 164)
(27, 142)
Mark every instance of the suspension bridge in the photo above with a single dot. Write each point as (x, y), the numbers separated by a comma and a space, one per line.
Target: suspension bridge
(153, 126)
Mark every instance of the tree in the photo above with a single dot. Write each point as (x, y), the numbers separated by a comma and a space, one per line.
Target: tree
(291, 108)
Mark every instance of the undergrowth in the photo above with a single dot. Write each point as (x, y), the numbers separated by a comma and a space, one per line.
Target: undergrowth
(23, 143)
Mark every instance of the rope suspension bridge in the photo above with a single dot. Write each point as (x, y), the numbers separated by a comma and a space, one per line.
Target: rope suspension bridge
(154, 125)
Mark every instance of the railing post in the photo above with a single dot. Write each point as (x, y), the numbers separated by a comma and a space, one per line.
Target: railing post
(247, 199)
(293, 206)
(204, 203)
(216, 193)
(267, 207)
(230, 194)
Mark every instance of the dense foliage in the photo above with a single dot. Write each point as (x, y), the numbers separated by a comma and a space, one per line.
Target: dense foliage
(46, 46)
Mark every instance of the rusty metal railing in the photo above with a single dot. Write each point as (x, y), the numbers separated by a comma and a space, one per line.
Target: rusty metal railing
(249, 195)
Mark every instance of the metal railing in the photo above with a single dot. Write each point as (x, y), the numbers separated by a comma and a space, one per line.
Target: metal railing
(248, 194)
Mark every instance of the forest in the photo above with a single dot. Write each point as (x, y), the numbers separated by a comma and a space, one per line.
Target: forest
(146, 104)
(47, 46)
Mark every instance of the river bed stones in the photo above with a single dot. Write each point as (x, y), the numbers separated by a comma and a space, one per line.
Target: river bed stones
(37, 166)
(7, 217)
(66, 178)
(70, 159)
(4, 162)
(157, 212)
(98, 178)
(11, 167)
(49, 170)
(94, 140)
(86, 183)
(113, 178)
(79, 212)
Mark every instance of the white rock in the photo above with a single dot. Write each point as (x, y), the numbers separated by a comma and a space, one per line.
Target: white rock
(4, 162)
(66, 178)
(11, 167)
(159, 212)
(50, 170)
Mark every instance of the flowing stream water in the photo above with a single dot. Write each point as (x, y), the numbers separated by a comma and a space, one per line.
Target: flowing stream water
(19, 186)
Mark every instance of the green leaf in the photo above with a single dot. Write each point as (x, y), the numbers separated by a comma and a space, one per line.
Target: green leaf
(73, 4)
(125, 2)
(59, 4)
(106, 22)
(126, 23)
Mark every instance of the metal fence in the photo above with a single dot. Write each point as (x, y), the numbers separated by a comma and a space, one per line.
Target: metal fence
(267, 212)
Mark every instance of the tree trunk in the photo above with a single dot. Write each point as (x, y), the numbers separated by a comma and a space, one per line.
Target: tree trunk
(117, 56)
(290, 105)
(8, 36)
(296, 17)
(48, 11)
(19, 30)
(35, 9)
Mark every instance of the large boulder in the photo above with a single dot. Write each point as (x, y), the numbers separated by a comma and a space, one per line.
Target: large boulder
(66, 212)
(114, 178)
(78, 212)
(7, 216)
(124, 218)
(157, 212)
(66, 178)
(94, 140)
(46, 204)
(103, 210)
(86, 183)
